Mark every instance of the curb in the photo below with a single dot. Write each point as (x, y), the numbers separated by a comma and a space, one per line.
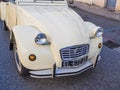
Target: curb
(98, 10)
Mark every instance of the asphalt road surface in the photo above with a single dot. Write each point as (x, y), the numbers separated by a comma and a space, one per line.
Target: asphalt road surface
(106, 76)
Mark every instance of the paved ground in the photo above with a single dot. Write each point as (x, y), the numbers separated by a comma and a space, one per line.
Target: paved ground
(106, 76)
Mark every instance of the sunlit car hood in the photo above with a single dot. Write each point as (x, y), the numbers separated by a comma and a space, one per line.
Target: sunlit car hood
(55, 21)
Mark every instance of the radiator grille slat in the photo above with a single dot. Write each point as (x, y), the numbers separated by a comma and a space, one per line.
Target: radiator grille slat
(72, 52)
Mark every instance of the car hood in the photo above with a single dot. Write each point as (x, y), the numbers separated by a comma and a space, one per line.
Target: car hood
(61, 24)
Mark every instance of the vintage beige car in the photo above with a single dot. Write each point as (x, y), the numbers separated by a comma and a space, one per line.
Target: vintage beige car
(49, 39)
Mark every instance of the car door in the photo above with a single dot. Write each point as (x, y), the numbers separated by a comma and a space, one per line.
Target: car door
(2, 10)
(10, 14)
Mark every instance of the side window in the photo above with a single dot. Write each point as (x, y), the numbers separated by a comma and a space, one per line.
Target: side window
(12, 1)
(5, 0)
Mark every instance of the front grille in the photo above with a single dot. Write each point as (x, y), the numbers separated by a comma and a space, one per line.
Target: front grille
(72, 52)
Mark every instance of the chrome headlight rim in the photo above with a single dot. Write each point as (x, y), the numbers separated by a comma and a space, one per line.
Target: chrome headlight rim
(99, 32)
(41, 39)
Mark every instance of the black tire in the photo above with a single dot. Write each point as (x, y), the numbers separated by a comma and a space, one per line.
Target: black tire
(5, 26)
(21, 69)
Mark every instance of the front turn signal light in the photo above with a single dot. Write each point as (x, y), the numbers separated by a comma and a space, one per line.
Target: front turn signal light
(100, 45)
(32, 57)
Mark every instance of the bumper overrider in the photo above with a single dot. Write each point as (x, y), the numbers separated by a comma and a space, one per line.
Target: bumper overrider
(58, 72)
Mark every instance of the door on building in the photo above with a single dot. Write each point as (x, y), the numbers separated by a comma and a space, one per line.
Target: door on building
(111, 4)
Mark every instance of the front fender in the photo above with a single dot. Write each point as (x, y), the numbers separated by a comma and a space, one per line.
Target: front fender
(24, 37)
(90, 28)
(94, 51)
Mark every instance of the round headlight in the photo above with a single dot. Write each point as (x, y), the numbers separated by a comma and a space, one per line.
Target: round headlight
(99, 32)
(41, 39)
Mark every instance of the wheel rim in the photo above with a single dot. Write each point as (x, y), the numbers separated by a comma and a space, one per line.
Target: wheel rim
(17, 61)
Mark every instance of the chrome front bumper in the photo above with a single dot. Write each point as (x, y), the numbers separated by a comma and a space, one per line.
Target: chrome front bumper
(58, 72)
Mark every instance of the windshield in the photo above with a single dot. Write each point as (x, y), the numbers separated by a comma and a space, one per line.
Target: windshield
(35, 1)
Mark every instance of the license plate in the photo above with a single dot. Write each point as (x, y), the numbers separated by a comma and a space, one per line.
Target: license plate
(75, 63)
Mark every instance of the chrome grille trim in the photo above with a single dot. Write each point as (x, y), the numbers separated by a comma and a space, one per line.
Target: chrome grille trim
(76, 51)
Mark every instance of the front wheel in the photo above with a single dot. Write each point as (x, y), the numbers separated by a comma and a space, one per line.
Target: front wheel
(21, 69)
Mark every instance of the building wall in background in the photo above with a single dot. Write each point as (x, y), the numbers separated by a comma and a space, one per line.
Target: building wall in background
(117, 8)
(102, 3)
(85, 1)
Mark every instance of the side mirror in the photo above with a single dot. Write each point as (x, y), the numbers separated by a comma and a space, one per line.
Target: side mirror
(71, 1)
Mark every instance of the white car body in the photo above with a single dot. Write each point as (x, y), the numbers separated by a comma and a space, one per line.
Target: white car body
(63, 27)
